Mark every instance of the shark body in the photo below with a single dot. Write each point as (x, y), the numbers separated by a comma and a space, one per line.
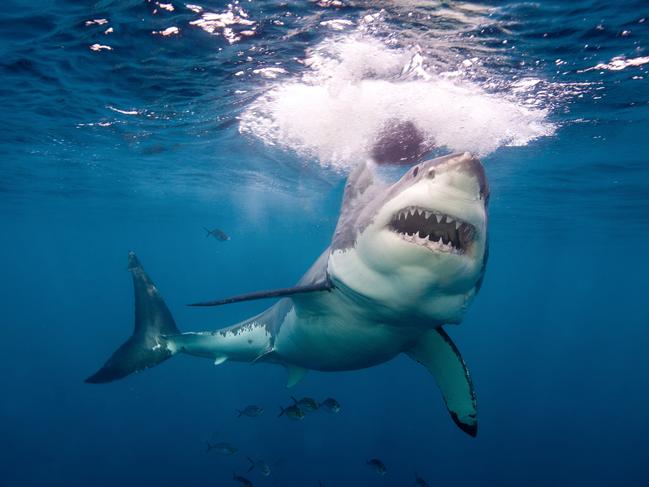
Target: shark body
(405, 260)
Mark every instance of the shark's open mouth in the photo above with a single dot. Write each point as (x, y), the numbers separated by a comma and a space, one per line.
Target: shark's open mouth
(433, 230)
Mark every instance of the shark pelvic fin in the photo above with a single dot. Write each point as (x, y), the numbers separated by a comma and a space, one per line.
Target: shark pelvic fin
(220, 360)
(440, 356)
(273, 293)
(295, 374)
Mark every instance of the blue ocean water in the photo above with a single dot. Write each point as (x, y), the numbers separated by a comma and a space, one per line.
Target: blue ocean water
(132, 125)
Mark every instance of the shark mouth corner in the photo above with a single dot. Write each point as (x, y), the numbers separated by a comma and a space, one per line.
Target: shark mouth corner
(437, 232)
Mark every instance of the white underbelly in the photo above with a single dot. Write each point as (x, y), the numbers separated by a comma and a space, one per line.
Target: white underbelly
(334, 342)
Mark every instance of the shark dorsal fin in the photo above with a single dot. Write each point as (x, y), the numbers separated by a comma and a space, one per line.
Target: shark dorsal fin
(361, 178)
(357, 188)
(272, 293)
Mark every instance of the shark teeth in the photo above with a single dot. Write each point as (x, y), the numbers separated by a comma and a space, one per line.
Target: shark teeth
(433, 245)
(436, 231)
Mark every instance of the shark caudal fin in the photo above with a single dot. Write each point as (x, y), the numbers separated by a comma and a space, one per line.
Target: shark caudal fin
(146, 347)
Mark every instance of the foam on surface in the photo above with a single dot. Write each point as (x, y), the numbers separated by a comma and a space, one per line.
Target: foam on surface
(356, 84)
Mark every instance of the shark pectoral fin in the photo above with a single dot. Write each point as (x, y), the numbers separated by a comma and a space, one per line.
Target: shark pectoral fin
(273, 293)
(220, 360)
(295, 374)
(437, 352)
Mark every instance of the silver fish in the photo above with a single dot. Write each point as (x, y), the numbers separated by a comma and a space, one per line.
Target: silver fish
(419, 482)
(260, 465)
(377, 465)
(241, 480)
(251, 411)
(293, 412)
(217, 234)
(222, 448)
(330, 404)
(306, 403)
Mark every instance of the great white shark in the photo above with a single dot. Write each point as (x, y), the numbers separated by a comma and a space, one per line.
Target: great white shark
(405, 260)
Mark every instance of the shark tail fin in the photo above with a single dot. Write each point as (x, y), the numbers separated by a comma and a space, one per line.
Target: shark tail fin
(207, 232)
(147, 345)
(252, 464)
(281, 412)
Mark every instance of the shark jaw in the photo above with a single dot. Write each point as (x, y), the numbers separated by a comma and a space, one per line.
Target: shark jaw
(432, 230)
(420, 257)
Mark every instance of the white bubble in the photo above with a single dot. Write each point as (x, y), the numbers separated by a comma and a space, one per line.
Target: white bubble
(355, 86)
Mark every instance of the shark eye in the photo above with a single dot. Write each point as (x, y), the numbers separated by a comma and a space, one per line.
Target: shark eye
(415, 171)
(431, 173)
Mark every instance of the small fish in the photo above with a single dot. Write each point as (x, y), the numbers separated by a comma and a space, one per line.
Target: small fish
(293, 412)
(222, 448)
(377, 465)
(262, 466)
(330, 404)
(306, 403)
(242, 480)
(251, 411)
(217, 234)
(419, 482)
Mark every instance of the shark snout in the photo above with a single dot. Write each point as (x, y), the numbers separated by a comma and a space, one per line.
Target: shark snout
(464, 163)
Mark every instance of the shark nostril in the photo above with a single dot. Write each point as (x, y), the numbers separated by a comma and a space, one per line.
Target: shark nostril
(415, 171)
